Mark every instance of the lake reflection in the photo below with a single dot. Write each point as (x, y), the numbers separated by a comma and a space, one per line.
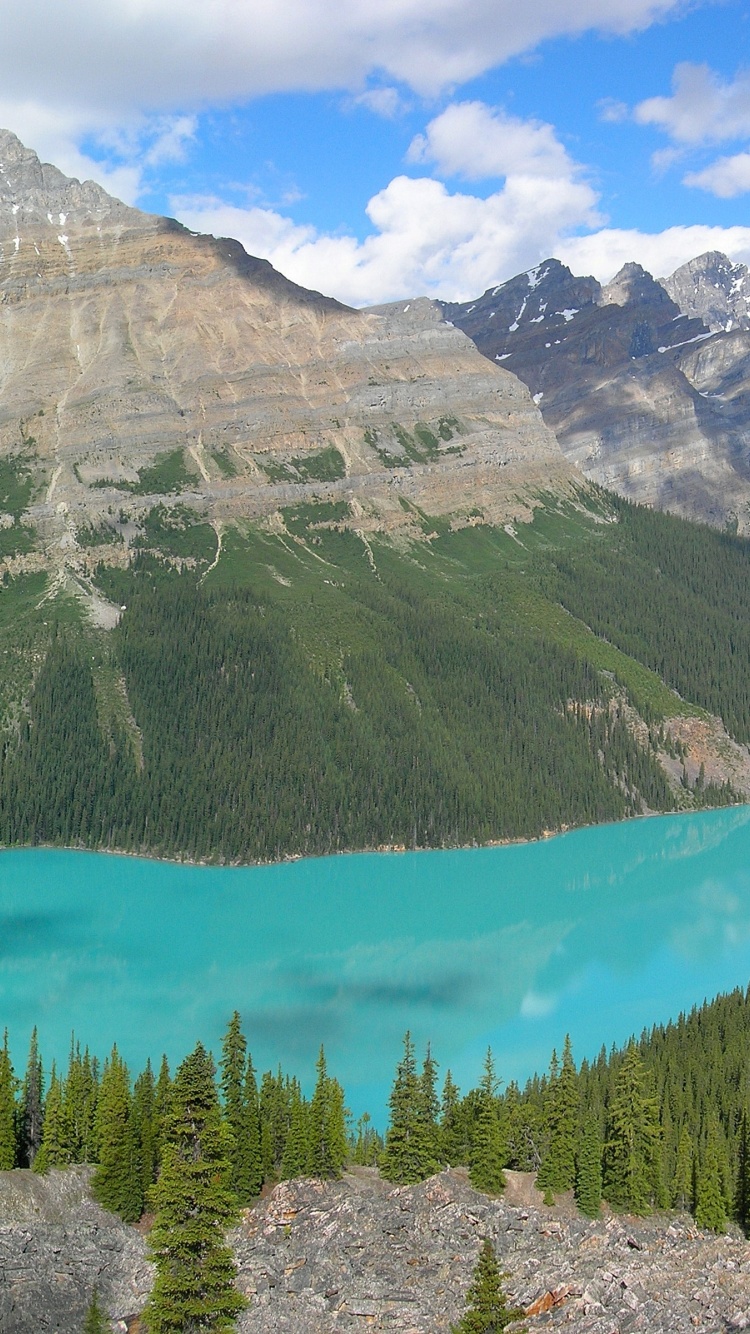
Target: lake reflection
(598, 932)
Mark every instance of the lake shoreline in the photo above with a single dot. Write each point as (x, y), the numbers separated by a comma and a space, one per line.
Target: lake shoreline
(547, 835)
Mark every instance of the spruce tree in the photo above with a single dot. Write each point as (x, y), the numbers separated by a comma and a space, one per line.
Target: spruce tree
(144, 1128)
(251, 1174)
(32, 1106)
(54, 1150)
(162, 1102)
(79, 1103)
(452, 1139)
(588, 1184)
(232, 1065)
(557, 1170)
(296, 1155)
(631, 1155)
(326, 1125)
(7, 1109)
(117, 1182)
(488, 1148)
(409, 1151)
(195, 1273)
(742, 1192)
(487, 1305)
(682, 1184)
(710, 1208)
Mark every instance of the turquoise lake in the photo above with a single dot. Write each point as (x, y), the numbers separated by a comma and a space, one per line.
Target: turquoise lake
(597, 932)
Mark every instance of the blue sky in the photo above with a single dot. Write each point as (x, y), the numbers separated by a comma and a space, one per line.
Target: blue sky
(414, 146)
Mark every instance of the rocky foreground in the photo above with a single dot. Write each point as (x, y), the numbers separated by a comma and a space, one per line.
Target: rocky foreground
(359, 1254)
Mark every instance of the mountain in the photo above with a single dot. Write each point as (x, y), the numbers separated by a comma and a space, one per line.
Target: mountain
(714, 289)
(641, 390)
(282, 578)
(129, 343)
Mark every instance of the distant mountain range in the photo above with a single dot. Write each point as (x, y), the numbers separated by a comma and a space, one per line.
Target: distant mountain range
(644, 383)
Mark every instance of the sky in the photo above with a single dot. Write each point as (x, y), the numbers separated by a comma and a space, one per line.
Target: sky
(383, 149)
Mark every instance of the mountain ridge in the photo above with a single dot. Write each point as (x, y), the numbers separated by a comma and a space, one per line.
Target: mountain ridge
(643, 395)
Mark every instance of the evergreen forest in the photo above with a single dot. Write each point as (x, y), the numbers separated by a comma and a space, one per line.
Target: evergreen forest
(315, 690)
(659, 1123)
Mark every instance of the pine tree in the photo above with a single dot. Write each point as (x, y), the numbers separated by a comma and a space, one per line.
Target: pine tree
(144, 1128)
(557, 1171)
(742, 1193)
(682, 1184)
(32, 1104)
(487, 1305)
(588, 1184)
(79, 1103)
(194, 1286)
(326, 1125)
(162, 1103)
(232, 1065)
(409, 1151)
(710, 1209)
(296, 1156)
(54, 1150)
(452, 1139)
(251, 1176)
(631, 1156)
(7, 1109)
(428, 1114)
(117, 1182)
(96, 1321)
(488, 1148)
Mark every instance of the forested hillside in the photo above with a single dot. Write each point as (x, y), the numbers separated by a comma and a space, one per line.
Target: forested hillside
(313, 689)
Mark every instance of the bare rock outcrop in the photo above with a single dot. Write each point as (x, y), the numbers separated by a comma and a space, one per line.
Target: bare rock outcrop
(317, 1258)
(320, 1257)
(56, 1247)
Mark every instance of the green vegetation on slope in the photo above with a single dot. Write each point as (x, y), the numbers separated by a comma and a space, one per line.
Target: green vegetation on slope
(316, 690)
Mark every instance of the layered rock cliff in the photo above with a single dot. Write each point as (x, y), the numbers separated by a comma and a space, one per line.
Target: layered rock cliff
(126, 340)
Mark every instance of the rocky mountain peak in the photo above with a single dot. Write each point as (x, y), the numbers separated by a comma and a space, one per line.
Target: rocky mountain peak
(37, 198)
(633, 285)
(713, 288)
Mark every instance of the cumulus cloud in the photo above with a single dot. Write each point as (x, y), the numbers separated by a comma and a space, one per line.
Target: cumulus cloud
(702, 108)
(605, 251)
(162, 54)
(427, 239)
(727, 177)
(479, 142)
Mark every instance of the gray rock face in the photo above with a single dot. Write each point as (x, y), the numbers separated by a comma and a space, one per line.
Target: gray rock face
(714, 289)
(56, 1246)
(318, 1258)
(642, 396)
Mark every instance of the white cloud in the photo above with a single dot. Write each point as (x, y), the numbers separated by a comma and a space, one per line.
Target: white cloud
(603, 252)
(162, 54)
(385, 102)
(702, 108)
(478, 142)
(727, 177)
(426, 239)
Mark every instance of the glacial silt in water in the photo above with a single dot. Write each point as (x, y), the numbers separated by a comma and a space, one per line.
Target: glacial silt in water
(598, 932)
